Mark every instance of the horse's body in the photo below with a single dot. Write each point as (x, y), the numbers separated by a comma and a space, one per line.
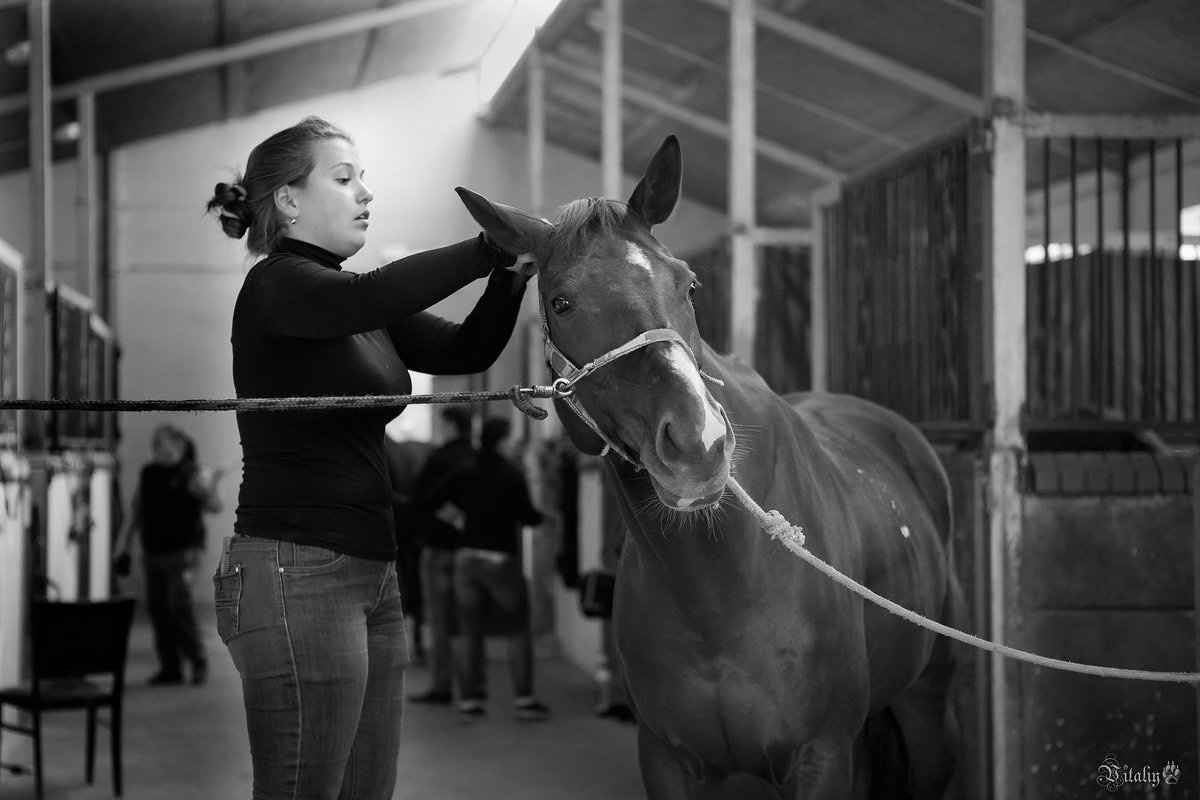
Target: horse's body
(751, 674)
(752, 662)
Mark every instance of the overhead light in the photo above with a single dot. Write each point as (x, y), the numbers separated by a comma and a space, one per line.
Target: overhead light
(1189, 221)
(67, 132)
(17, 55)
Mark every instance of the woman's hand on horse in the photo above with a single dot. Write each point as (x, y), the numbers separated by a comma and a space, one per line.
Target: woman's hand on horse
(525, 267)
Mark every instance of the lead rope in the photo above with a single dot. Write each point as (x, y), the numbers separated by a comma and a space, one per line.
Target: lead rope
(792, 537)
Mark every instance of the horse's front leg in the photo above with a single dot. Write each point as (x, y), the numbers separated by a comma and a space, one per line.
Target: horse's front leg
(824, 770)
(663, 774)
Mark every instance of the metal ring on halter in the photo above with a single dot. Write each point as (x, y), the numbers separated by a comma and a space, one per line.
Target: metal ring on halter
(562, 387)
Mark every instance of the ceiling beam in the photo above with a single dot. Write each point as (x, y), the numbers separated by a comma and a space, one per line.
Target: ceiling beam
(702, 122)
(251, 48)
(1113, 126)
(865, 59)
(773, 92)
(1090, 58)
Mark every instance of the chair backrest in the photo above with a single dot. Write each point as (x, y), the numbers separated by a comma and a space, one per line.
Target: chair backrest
(77, 638)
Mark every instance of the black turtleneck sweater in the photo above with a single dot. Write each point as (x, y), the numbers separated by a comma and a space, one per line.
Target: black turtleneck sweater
(303, 327)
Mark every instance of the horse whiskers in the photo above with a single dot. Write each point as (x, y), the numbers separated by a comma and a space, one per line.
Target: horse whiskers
(740, 453)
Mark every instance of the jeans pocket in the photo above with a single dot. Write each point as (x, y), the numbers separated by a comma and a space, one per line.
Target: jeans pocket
(307, 559)
(227, 596)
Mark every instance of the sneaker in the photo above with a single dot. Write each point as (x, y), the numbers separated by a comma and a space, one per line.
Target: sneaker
(165, 679)
(432, 697)
(531, 711)
(471, 711)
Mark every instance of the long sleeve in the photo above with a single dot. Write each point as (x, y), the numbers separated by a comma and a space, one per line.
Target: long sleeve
(296, 296)
(523, 508)
(427, 343)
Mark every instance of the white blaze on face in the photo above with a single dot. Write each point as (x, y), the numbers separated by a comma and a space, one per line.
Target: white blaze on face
(714, 426)
(635, 256)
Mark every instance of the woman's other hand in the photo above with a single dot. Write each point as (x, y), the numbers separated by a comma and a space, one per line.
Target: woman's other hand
(525, 267)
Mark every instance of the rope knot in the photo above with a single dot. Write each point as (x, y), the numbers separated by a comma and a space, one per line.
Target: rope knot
(520, 399)
(777, 527)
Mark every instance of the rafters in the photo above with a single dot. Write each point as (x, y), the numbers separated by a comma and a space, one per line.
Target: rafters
(865, 58)
(1092, 59)
(702, 122)
(251, 48)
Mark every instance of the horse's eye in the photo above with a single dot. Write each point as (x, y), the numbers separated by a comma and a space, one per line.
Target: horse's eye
(561, 305)
(692, 289)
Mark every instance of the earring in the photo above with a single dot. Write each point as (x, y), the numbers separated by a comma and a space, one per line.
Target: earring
(294, 220)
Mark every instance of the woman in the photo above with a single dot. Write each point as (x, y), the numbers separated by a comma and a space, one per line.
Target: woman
(306, 592)
(172, 495)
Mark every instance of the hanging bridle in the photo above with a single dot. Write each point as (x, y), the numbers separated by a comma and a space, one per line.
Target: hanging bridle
(566, 374)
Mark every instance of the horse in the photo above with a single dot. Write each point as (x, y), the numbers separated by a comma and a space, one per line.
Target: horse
(750, 674)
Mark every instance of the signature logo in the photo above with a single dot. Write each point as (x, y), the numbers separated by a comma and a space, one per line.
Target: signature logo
(1112, 774)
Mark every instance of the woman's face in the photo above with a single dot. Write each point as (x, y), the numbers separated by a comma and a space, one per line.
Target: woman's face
(331, 206)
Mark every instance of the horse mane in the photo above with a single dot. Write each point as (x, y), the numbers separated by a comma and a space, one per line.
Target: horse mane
(580, 219)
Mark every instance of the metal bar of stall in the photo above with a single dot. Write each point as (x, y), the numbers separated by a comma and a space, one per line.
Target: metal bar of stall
(1103, 362)
(1127, 349)
(1194, 274)
(1177, 263)
(1156, 407)
(1051, 347)
(1076, 384)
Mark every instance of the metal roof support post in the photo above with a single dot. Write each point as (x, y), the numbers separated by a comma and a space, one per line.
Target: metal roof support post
(611, 98)
(744, 288)
(1005, 350)
(535, 359)
(86, 203)
(818, 294)
(35, 353)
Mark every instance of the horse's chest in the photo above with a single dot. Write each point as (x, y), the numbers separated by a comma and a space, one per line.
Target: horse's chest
(739, 696)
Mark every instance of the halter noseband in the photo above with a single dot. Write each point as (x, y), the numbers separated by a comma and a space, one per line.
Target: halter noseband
(566, 374)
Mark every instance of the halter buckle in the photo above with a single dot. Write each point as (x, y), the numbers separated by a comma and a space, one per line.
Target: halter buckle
(562, 387)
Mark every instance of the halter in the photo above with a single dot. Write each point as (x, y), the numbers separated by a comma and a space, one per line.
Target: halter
(566, 374)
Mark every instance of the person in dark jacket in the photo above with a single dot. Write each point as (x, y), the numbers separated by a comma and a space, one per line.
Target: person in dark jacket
(437, 534)
(307, 599)
(492, 496)
(173, 493)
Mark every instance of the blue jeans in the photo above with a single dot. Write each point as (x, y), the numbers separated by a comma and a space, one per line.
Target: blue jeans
(318, 639)
(169, 601)
(481, 586)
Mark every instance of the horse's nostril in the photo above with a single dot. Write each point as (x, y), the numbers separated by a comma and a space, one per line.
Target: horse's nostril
(664, 434)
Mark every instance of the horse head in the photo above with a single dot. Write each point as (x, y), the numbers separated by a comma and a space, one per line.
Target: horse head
(617, 303)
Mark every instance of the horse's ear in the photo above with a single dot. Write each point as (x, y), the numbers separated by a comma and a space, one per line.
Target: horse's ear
(656, 194)
(512, 230)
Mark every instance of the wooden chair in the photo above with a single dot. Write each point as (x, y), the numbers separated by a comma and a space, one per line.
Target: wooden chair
(70, 644)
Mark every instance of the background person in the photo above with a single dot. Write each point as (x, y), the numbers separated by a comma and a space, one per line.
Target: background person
(323, 673)
(438, 536)
(167, 514)
(493, 496)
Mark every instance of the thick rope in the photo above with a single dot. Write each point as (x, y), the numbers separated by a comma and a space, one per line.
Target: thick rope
(518, 395)
(792, 538)
(774, 523)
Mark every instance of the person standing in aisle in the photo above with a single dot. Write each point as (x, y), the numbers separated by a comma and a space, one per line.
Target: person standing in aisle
(438, 536)
(173, 493)
(492, 495)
